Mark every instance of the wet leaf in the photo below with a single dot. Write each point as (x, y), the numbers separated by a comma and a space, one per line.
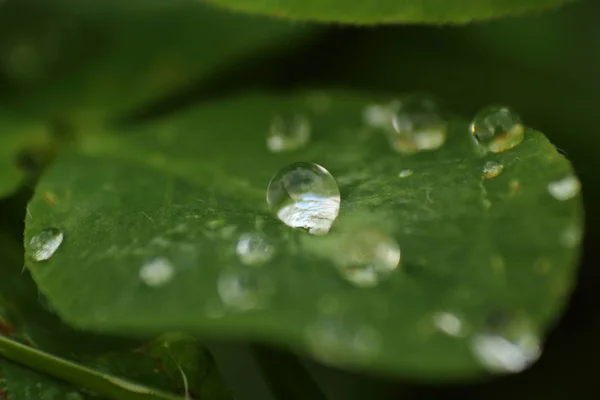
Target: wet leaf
(496, 255)
(81, 63)
(389, 11)
(158, 363)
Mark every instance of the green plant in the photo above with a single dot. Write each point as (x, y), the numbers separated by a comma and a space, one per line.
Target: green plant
(140, 259)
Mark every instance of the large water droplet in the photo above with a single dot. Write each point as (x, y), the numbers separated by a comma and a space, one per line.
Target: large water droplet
(43, 245)
(405, 173)
(244, 289)
(254, 249)
(565, 189)
(304, 195)
(492, 169)
(418, 125)
(287, 134)
(339, 342)
(157, 272)
(509, 348)
(497, 129)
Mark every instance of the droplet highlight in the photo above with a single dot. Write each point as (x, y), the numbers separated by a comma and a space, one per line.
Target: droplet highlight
(157, 272)
(244, 289)
(449, 323)
(304, 195)
(565, 189)
(510, 348)
(492, 169)
(497, 129)
(418, 125)
(43, 245)
(288, 133)
(254, 249)
(405, 173)
(335, 341)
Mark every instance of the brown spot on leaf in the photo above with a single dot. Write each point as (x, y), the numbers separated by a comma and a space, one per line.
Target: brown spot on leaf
(49, 197)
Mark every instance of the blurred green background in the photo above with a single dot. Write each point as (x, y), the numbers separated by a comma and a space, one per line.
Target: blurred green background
(75, 64)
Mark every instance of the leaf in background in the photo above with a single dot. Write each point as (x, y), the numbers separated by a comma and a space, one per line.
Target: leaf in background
(151, 221)
(158, 363)
(389, 11)
(18, 136)
(84, 62)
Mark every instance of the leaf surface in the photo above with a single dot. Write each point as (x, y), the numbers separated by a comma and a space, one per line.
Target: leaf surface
(184, 189)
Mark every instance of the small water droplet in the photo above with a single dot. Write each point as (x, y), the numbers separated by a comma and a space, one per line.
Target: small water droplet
(339, 342)
(418, 125)
(254, 249)
(244, 289)
(510, 348)
(157, 272)
(379, 115)
(43, 245)
(304, 195)
(288, 133)
(565, 189)
(497, 129)
(571, 236)
(448, 323)
(492, 169)
(405, 173)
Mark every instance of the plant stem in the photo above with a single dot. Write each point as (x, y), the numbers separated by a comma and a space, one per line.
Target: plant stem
(104, 384)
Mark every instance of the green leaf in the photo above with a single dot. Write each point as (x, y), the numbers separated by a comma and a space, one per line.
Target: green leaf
(181, 190)
(84, 62)
(18, 136)
(161, 363)
(389, 11)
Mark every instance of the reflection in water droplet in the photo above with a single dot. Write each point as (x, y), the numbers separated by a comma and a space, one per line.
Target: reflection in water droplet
(571, 237)
(492, 169)
(304, 195)
(244, 289)
(405, 173)
(338, 342)
(565, 189)
(287, 134)
(418, 125)
(510, 349)
(497, 129)
(448, 323)
(254, 249)
(157, 272)
(43, 245)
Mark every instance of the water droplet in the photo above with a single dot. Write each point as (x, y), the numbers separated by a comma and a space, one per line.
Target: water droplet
(339, 342)
(565, 189)
(254, 249)
(571, 236)
(244, 289)
(43, 245)
(304, 195)
(288, 133)
(363, 256)
(405, 173)
(367, 258)
(418, 125)
(379, 115)
(492, 169)
(510, 348)
(497, 129)
(448, 323)
(157, 272)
